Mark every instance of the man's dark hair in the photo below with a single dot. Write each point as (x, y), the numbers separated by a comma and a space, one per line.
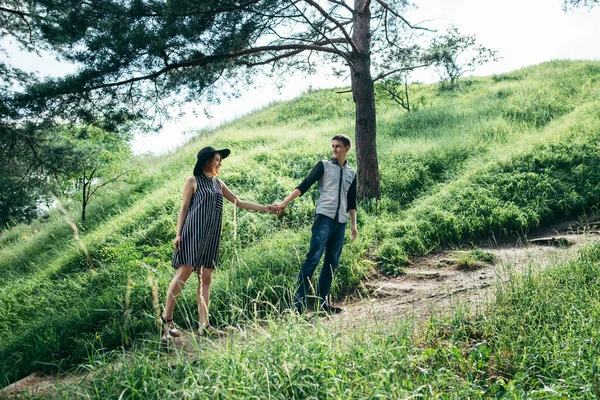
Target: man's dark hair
(342, 138)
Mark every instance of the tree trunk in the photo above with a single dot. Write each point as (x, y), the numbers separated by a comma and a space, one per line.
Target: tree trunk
(364, 99)
(406, 94)
(84, 198)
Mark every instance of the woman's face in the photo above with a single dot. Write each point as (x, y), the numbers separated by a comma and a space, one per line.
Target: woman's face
(215, 164)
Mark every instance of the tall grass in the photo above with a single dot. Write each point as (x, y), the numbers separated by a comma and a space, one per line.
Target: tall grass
(505, 156)
(538, 339)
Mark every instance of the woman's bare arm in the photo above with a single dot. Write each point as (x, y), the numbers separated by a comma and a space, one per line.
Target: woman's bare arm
(228, 194)
(188, 190)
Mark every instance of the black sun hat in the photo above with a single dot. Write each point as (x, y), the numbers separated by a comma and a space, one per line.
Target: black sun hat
(206, 153)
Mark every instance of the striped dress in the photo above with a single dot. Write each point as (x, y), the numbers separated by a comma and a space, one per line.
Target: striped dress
(201, 233)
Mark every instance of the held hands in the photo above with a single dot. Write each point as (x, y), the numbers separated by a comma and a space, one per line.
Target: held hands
(273, 208)
(282, 205)
(279, 207)
(269, 209)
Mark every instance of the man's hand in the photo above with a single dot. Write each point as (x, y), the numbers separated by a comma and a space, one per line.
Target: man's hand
(284, 203)
(354, 233)
(279, 207)
(275, 208)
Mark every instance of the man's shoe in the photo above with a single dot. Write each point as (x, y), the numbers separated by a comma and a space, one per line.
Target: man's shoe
(329, 309)
(299, 309)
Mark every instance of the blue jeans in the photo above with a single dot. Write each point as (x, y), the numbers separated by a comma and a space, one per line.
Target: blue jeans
(328, 237)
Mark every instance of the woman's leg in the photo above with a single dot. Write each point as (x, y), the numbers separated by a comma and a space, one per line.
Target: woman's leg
(203, 295)
(182, 275)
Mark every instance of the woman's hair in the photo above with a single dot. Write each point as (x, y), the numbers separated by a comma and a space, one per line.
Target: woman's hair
(207, 162)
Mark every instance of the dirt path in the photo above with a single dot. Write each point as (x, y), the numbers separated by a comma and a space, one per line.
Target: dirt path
(432, 285)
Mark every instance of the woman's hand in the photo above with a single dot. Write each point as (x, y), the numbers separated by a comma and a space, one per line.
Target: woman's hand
(270, 209)
(176, 242)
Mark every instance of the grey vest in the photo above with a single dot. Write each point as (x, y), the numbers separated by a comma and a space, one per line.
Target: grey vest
(334, 185)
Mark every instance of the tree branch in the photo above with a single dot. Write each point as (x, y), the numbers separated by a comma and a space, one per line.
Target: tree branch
(397, 15)
(335, 22)
(89, 179)
(116, 178)
(385, 27)
(319, 46)
(192, 12)
(341, 3)
(272, 59)
(394, 71)
(275, 14)
(28, 27)
(301, 39)
(21, 15)
(15, 12)
(341, 53)
(391, 89)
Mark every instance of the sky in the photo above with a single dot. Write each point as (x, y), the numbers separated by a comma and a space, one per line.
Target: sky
(525, 32)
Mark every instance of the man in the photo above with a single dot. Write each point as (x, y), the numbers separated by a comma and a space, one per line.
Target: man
(337, 184)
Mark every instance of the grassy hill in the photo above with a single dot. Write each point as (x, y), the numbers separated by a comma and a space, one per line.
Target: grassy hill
(506, 155)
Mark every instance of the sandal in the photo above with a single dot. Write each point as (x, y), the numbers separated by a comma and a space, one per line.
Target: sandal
(169, 327)
(210, 331)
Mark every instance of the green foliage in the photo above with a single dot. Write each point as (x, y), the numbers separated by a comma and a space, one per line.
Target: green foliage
(571, 4)
(473, 259)
(18, 198)
(536, 107)
(538, 333)
(304, 111)
(395, 86)
(69, 161)
(511, 196)
(409, 174)
(480, 176)
(537, 339)
(506, 77)
(456, 54)
(88, 159)
(393, 256)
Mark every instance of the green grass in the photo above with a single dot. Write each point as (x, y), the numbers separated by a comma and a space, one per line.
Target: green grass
(474, 259)
(538, 339)
(505, 156)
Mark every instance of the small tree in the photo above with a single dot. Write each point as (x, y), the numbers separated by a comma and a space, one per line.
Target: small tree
(455, 54)
(18, 198)
(87, 159)
(395, 86)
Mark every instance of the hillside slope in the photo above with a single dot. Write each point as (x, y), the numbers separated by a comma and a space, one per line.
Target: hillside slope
(506, 155)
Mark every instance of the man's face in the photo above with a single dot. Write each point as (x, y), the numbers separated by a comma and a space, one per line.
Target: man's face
(338, 150)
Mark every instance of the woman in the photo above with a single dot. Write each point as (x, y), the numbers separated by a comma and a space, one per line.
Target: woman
(198, 234)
